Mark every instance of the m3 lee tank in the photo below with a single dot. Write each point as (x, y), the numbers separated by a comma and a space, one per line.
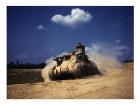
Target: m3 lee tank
(70, 66)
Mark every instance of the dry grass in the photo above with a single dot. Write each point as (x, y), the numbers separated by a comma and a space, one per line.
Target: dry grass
(21, 76)
(114, 84)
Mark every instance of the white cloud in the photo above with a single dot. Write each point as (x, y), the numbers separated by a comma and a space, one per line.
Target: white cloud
(22, 56)
(122, 47)
(41, 27)
(51, 48)
(77, 16)
(117, 41)
(123, 50)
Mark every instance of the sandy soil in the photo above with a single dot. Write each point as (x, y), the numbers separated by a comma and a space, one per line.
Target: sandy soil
(114, 84)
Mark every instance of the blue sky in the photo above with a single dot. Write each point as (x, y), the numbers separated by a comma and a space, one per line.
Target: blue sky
(35, 33)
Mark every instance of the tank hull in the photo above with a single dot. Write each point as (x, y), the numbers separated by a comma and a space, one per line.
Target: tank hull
(69, 71)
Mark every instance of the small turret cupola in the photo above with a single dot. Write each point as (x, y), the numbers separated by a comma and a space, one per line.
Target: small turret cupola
(80, 48)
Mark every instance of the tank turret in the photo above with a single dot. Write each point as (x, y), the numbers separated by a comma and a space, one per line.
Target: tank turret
(80, 49)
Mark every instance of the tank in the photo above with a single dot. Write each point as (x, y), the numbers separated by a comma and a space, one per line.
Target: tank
(73, 65)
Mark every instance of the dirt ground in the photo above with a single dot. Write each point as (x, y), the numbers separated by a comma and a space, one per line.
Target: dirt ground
(115, 83)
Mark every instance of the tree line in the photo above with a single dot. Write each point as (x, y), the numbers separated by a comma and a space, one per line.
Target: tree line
(17, 65)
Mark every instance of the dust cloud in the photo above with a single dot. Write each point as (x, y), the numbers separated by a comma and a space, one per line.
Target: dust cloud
(100, 56)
